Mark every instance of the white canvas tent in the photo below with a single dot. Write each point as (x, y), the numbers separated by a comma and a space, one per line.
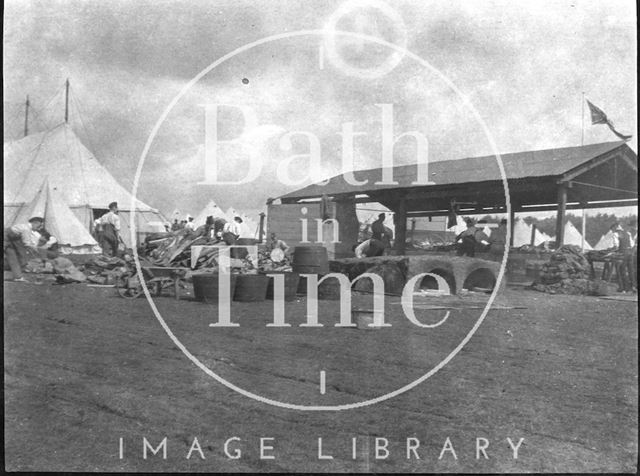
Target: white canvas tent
(605, 242)
(573, 237)
(59, 221)
(210, 209)
(84, 184)
(540, 238)
(521, 233)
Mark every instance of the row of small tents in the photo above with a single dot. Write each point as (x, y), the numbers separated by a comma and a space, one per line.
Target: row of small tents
(249, 228)
(522, 232)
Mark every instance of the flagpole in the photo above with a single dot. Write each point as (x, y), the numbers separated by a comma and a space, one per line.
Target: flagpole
(582, 143)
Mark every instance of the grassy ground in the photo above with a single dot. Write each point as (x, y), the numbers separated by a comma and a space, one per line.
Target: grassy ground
(84, 368)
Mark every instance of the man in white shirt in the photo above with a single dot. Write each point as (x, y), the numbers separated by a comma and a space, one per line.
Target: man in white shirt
(231, 231)
(110, 233)
(190, 225)
(19, 241)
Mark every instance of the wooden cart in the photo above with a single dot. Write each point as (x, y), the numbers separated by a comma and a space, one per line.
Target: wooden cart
(156, 278)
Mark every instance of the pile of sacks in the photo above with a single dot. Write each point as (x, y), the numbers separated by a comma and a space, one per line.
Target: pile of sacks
(63, 269)
(105, 269)
(567, 272)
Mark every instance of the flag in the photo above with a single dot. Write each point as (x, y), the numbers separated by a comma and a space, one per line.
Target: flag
(599, 117)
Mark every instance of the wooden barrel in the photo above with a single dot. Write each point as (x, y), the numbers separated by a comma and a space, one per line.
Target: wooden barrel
(251, 287)
(205, 287)
(329, 289)
(241, 253)
(310, 259)
(302, 286)
(290, 284)
(364, 319)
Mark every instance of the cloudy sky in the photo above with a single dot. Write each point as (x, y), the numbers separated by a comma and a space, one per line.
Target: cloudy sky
(522, 65)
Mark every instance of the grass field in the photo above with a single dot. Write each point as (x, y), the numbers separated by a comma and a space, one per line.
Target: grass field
(85, 368)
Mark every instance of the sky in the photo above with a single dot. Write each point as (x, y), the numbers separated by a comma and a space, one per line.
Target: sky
(520, 66)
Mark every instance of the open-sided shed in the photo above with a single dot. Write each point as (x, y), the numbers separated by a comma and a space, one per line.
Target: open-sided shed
(589, 176)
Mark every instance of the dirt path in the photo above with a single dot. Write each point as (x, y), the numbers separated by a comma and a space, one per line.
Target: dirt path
(84, 368)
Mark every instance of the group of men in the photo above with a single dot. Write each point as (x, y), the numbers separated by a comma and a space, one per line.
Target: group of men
(183, 224)
(215, 229)
(474, 239)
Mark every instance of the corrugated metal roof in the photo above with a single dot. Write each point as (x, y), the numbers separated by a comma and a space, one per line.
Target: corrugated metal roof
(518, 165)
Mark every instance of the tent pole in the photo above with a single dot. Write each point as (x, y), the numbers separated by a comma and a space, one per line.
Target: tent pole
(66, 102)
(26, 117)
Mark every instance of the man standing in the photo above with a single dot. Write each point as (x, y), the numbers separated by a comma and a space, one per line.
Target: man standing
(110, 223)
(624, 247)
(469, 238)
(498, 239)
(19, 241)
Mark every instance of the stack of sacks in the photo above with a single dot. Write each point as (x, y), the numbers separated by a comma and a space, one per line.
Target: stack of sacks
(567, 272)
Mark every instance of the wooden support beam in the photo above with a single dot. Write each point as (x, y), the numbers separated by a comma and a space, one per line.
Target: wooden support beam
(400, 221)
(512, 222)
(562, 208)
(585, 167)
(533, 234)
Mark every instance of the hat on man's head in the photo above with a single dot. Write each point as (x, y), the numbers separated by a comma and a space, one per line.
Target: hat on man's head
(382, 215)
(36, 219)
(113, 205)
(238, 219)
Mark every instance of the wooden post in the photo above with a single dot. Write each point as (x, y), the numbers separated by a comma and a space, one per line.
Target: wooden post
(512, 222)
(400, 221)
(26, 117)
(413, 226)
(584, 227)
(562, 208)
(66, 102)
(533, 234)
(261, 230)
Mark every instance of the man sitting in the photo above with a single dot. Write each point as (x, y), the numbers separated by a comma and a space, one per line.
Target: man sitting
(20, 241)
(231, 231)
